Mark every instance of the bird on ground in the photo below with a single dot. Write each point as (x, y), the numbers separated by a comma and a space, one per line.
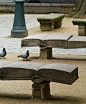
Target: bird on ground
(24, 56)
(3, 53)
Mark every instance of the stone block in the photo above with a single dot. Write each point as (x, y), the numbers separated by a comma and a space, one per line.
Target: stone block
(77, 42)
(67, 10)
(47, 22)
(41, 90)
(47, 9)
(33, 40)
(28, 9)
(79, 21)
(46, 26)
(20, 71)
(37, 9)
(46, 53)
(59, 9)
(57, 24)
(52, 17)
(62, 73)
(34, 4)
(2, 64)
(46, 4)
(0, 74)
(82, 30)
(57, 40)
(39, 73)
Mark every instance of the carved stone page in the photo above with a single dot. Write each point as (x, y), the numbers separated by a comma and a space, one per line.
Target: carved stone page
(57, 40)
(22, 70)
(61, 73)
(33, 40)
(77, 42)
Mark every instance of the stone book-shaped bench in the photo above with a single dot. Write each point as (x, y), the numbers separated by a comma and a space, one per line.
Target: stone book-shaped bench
(47, 42)
(40, 74)
(81, 26)
(50, 21)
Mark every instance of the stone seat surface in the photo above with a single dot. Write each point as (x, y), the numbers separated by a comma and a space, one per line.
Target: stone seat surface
(2, 64)
(37, 72)
(79, 21)
(77, 42)
(51, 17)
(20, 70)
(33, 40)
(57, 40)
(53, 41)
(62, 73)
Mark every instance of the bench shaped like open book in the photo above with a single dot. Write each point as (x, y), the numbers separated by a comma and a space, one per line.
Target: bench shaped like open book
(47, 42)
(40, 74)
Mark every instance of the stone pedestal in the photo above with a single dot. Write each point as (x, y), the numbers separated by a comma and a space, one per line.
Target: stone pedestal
(46, 26)
(19, 27)
(41, 90)
(82, 30)
(46, 53)
(57, 24)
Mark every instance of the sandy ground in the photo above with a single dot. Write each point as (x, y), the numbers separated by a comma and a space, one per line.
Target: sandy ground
(19, 92)
(66, 28)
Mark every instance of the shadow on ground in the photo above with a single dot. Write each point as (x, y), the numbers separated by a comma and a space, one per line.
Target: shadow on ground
(51, 100)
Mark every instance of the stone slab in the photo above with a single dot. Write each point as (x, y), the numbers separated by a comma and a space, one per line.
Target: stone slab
(77, 42)
(41, 90)
(53, 41)
(46, 53)
(33, 40)
(57, 40)
(51, 17)
(20, 71)
(79, 21)
(2, 64)
(62, 73)
(39, 73)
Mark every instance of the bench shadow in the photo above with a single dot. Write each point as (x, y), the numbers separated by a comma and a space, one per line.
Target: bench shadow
(29, 59)
(67, 99)
(56, 58)
(34, 57)
(15, 96)
(70, 99)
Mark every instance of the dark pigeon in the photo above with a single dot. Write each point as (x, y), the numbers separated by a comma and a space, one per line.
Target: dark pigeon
(3, 53)
(24, 56)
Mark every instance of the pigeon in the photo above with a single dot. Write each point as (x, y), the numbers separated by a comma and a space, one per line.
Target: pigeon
(24, 55)
(3, 53)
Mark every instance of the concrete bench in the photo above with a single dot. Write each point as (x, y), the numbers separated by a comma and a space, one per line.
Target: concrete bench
(50, 21)
(40, 74)
(81, 26)
(47, 42)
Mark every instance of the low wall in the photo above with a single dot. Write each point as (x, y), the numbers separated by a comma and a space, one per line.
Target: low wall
(38, 7)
